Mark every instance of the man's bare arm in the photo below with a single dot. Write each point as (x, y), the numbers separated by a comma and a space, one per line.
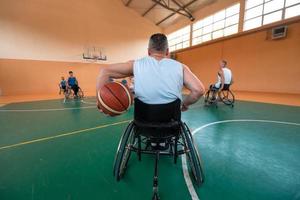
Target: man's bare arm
(118, 70)
(194, 85)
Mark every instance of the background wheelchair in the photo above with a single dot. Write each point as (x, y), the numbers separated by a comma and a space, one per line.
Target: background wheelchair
(157, 130)
(69, 93)
(225, 95)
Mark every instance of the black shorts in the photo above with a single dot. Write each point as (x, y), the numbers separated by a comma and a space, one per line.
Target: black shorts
(75, 88)
(226, 87)
(214, 88)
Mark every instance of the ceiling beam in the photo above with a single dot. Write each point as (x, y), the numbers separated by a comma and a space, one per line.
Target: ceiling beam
(128, 2)
(171, 9)
(149, 9)
(163, 2)
(185, 9)
(184, 6)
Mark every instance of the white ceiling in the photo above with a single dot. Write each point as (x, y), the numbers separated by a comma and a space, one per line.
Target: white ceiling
(158, 13)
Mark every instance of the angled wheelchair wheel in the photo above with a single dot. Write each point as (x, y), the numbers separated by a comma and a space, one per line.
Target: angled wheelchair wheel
(208, 98)
(193, 156)
(227, 97)
(123, 152)
(80, 93)
(67, 93)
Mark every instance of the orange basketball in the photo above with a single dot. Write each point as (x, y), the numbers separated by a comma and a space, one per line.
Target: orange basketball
(114, 98)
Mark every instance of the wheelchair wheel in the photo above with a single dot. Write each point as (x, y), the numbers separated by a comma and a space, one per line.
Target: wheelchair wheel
(227, 97)
(80, 93)
(208, 98)
(123, 152)
(193, 155)
(67, 93)
(155, 196)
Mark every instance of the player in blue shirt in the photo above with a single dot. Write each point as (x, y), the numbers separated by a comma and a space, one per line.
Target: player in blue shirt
(62, 85)
(73, 83)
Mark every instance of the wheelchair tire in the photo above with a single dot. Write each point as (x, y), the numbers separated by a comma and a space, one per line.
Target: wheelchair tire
(155, 196)
(193, 156)
(123, 152)
(208, 98)
(228, 98)
(67, 93)
(80, 93)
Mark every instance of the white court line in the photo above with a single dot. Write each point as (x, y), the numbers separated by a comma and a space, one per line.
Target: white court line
(46, 109)
(55, 109)
(86, 102)
(187, 177)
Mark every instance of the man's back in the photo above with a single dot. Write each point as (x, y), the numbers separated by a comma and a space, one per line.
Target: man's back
(227, 75)
(157, 81)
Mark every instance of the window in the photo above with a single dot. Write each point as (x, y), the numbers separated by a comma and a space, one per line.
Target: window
(262, 12)
(220, 24)
(293, 8)
(179, 39)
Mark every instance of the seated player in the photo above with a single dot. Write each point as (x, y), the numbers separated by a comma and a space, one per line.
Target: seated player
(73, 83)
(157, 78)
(224, 79)
(62, 85)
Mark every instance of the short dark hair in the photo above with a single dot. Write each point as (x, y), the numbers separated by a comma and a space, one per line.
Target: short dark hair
(158, 42)
(70, 72)
(225, 62)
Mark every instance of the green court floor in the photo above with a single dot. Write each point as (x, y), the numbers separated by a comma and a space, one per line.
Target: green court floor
(55, 150)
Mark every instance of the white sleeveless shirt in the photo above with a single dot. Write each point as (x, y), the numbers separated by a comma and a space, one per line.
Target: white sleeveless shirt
(157, 82)
(227, 77)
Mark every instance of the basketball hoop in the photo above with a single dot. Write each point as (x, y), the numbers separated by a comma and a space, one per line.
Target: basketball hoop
(93, 54)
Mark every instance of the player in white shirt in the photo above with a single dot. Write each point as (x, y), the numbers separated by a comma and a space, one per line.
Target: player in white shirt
(224, 79)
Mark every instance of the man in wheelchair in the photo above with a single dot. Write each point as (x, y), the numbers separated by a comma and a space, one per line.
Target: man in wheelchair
(73, 84)
(62, 85)
(221, 89)
(157, 127)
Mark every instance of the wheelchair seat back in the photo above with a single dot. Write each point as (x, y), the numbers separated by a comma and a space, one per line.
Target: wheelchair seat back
(157, 120)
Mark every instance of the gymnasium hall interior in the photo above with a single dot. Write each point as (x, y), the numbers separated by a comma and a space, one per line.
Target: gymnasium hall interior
(241, 143)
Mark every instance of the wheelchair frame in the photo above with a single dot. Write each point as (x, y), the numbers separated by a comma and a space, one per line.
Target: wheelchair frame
(133, 139)
(219, 95)
(69, 92)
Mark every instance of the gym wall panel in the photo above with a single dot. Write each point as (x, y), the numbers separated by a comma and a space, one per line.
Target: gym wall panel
(258, 63)
(28, 77)
(42, 40)
(59, 30)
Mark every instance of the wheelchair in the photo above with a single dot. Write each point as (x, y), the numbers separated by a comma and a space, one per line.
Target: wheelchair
(214, 95)
(69, 93)
(157, 130)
